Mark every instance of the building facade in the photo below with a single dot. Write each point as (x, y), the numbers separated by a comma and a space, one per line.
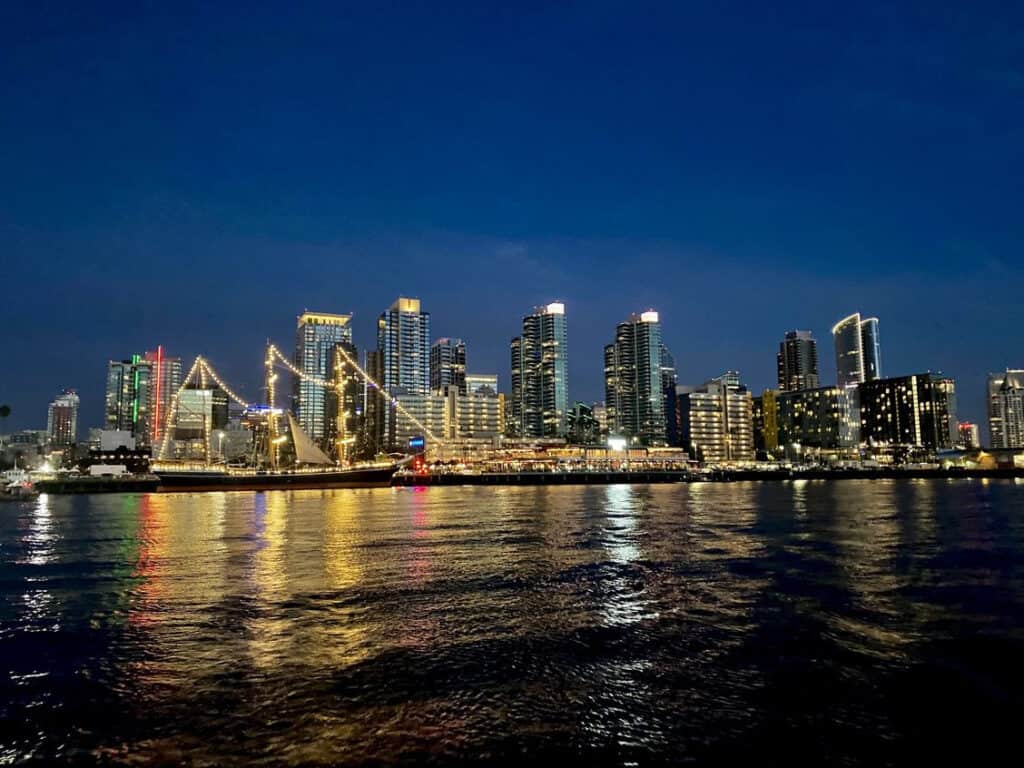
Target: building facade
(716, 420)
(376, 403)
(403, 339)
(316, 336)
(446, 415)
(62, 419)
(540, 375)
(403, 344)
(128, 403)
(906, 412)
(481, 384)
(633, 374)
(1006, 408)
(968, 435)
(823, 420)
(858, 350)
(344, 403)
(166, 378)
(448, 364)
(765, 424)
(797, 362)
(584, 428)
(201, 410)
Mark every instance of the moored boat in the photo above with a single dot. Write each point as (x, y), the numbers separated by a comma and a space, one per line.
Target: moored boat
(16, 485)
(231, 479)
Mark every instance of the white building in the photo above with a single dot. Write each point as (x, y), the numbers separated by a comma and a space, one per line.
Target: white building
(1006, 408)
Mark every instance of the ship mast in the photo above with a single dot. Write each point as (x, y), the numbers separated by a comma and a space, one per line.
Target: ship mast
(271, 416)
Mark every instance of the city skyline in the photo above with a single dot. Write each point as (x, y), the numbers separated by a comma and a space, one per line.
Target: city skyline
(967, 411)
(504, 168)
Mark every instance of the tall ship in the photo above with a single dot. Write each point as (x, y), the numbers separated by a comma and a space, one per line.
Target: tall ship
(278, 458)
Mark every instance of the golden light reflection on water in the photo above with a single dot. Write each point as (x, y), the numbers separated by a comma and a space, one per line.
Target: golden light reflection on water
(347, 624)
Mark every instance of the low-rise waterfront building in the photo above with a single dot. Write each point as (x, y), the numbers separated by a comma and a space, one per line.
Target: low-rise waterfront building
(715, 420)
(910, 412)
(819, 422)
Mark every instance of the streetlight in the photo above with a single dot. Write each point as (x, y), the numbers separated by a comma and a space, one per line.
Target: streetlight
(220, 443)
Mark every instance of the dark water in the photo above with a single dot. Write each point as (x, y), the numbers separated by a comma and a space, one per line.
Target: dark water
(850, 622)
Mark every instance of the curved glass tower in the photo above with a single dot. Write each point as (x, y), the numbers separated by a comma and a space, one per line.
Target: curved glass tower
(872, 349)
(858, 352)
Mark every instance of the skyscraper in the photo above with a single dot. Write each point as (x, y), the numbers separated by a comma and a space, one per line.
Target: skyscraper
(316, 336)
(403, 339)
(633, 374)
(403, 343)
(375, 405)
(343, 402)
(540, 374)
(129, 398)
(62, 418)
(797, 362)
(872, 347)
(166, 380)
(1006, 409)
(669, 380)
(858, 350)
(448, 364)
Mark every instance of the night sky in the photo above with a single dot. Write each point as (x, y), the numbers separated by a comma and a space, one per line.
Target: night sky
(197, 175)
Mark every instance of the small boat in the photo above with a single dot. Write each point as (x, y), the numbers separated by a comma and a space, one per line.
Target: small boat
(16, 485)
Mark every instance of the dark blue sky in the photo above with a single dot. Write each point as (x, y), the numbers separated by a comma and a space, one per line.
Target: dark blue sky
(196, 175)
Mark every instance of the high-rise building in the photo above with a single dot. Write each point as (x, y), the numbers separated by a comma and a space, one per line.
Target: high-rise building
(403, 339)
(633, 373)
(540, 375)
(62, 418)
(669, 380)
(797, 361)
(448, 364)
(858, 351)
(872, 347)
(716, 420)
(166, 378)
(481, 384)
(600, 411)
(584, 428)
(1006, 408)
(375, 405)
(316, 336)
(343, 402)
(129, 399)
(948, 387)
(968, 436)
(906, 411)
(824, 419)
(765, 423)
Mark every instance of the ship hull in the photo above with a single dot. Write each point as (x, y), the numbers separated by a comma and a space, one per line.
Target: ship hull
(370, 477)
